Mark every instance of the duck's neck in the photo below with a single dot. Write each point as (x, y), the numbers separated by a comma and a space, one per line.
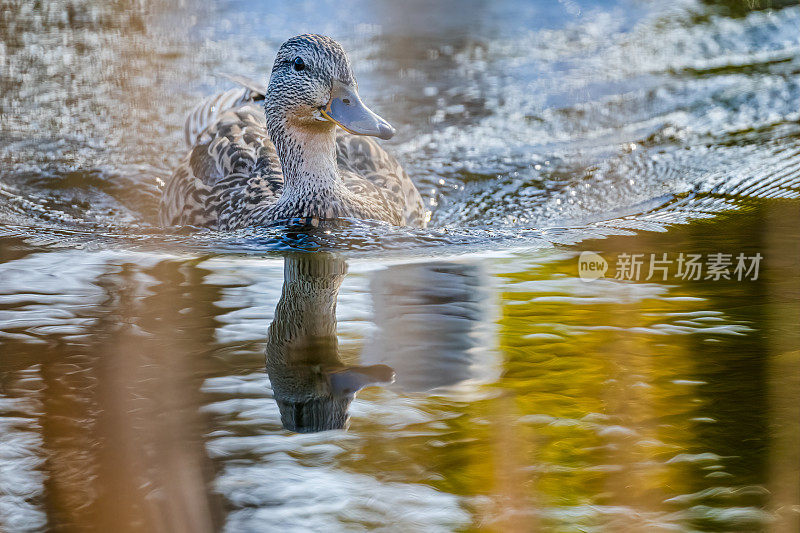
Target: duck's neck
(312, 186)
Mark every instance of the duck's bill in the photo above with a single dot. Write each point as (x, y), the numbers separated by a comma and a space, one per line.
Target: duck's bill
(347, 110)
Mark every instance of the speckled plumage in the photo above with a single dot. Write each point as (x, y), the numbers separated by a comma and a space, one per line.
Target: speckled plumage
(249, 166)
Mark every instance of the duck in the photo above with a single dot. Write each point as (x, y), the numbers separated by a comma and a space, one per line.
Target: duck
(301, 149)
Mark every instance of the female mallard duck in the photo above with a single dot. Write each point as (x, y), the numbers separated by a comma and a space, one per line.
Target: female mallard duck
(248, 169)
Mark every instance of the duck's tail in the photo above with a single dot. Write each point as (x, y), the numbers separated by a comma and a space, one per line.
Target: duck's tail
(209, 109)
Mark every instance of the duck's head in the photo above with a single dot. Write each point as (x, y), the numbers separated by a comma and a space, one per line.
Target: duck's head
(312, 88)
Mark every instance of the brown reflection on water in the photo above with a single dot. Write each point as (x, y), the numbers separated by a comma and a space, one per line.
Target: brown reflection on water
(783, 369)
(120, 416)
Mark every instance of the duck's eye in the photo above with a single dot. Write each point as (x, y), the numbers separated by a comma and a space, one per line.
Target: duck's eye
(299, 64)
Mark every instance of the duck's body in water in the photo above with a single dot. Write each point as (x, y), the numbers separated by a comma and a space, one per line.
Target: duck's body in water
(250, 167)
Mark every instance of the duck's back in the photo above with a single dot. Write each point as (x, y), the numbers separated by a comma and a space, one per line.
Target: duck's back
(230, 168)
(232, 175)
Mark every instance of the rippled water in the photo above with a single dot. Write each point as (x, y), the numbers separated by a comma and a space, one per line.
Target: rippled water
(171, 379)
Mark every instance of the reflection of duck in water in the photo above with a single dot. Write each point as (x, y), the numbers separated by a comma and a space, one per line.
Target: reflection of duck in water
(434, 325)
(312, 386)
(244, 170)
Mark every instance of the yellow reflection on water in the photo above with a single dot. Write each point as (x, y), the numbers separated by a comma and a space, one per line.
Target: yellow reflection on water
(623, 406)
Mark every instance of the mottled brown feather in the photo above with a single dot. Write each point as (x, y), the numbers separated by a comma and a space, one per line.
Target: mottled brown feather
(232, 176)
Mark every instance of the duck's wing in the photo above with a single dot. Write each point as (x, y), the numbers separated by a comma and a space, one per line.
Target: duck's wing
(231, 167)
(377, 173)
(207, 111)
